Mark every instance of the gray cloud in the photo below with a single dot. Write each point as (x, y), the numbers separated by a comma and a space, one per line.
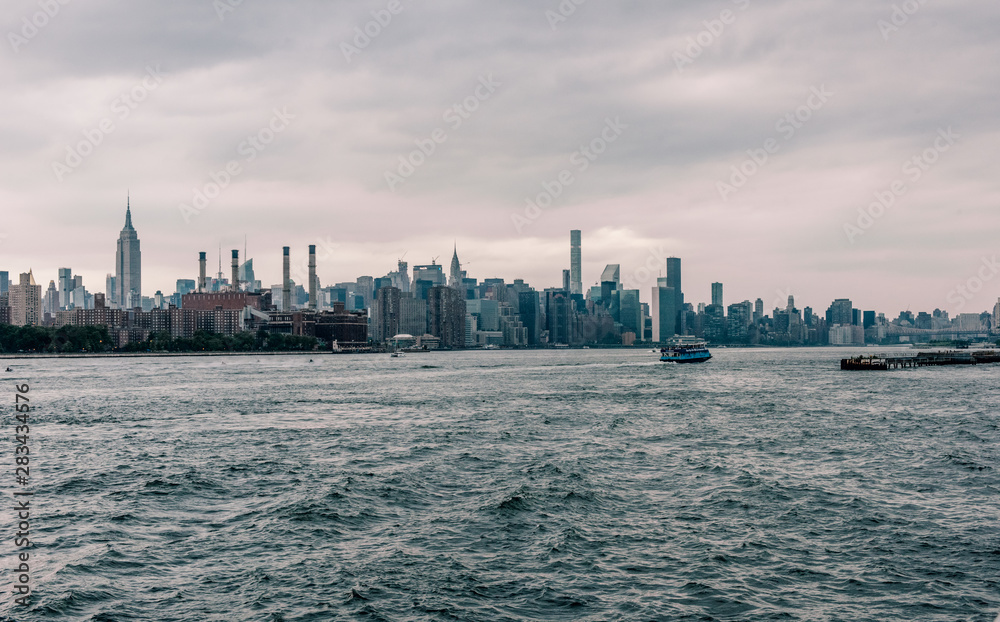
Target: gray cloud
(324, 177)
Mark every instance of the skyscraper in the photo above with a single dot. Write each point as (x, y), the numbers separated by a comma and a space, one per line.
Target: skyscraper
(26, 301)
(664, 311)
(446, 316)
(4, 283)
(575, 263)
(50, 304)
(674, 282)
(558, 316)
(456, 271)
(386, 314)
(717, 294)
(65, 286)
(128, 265)
(840, 312)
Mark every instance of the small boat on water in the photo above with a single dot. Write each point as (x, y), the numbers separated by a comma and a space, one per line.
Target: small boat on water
(685, 350)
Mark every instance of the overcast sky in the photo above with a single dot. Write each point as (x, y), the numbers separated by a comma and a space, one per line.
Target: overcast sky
(156, 98)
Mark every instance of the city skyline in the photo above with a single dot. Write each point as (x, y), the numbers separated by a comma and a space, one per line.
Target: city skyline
(667, 274)
(655, 134)
(642, 277)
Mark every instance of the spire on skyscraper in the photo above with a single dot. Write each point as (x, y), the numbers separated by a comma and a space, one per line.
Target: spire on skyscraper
(128, 211)
(456, 269)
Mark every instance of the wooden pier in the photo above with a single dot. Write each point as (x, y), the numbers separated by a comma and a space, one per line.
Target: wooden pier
(922, 359)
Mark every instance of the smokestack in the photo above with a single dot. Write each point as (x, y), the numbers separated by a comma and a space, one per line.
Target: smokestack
(286, 282)
(236, 271)
(312, 277)
(201, 272)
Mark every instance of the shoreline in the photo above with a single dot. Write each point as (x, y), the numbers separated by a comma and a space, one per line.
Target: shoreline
(101, 355)
(87, 355)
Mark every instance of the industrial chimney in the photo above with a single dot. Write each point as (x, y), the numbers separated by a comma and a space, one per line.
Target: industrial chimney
(201, 273)
(286, 282)
(312, 277)
(236, 271)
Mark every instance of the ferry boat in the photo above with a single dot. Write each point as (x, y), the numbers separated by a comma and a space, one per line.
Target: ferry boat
(685, 350)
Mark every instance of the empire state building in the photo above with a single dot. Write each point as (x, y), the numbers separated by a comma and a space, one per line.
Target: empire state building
(128, 265)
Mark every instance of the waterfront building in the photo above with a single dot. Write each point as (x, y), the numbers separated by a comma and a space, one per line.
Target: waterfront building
(715, 329)
(386, 314)
(738, 321)
(558, 316)
(348, 329)
(841, 313)
(487, 312)
(446, 316)
(412, 315)
(529, 310)
(664, 311)
(968, 322)
(630, 312)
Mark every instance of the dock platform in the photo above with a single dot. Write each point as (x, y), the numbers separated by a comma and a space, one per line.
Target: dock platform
(921, 359)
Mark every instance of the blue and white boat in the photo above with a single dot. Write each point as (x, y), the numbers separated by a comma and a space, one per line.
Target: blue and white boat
(685, 350)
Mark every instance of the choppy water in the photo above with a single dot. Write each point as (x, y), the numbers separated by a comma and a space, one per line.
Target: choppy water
(496, 486)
